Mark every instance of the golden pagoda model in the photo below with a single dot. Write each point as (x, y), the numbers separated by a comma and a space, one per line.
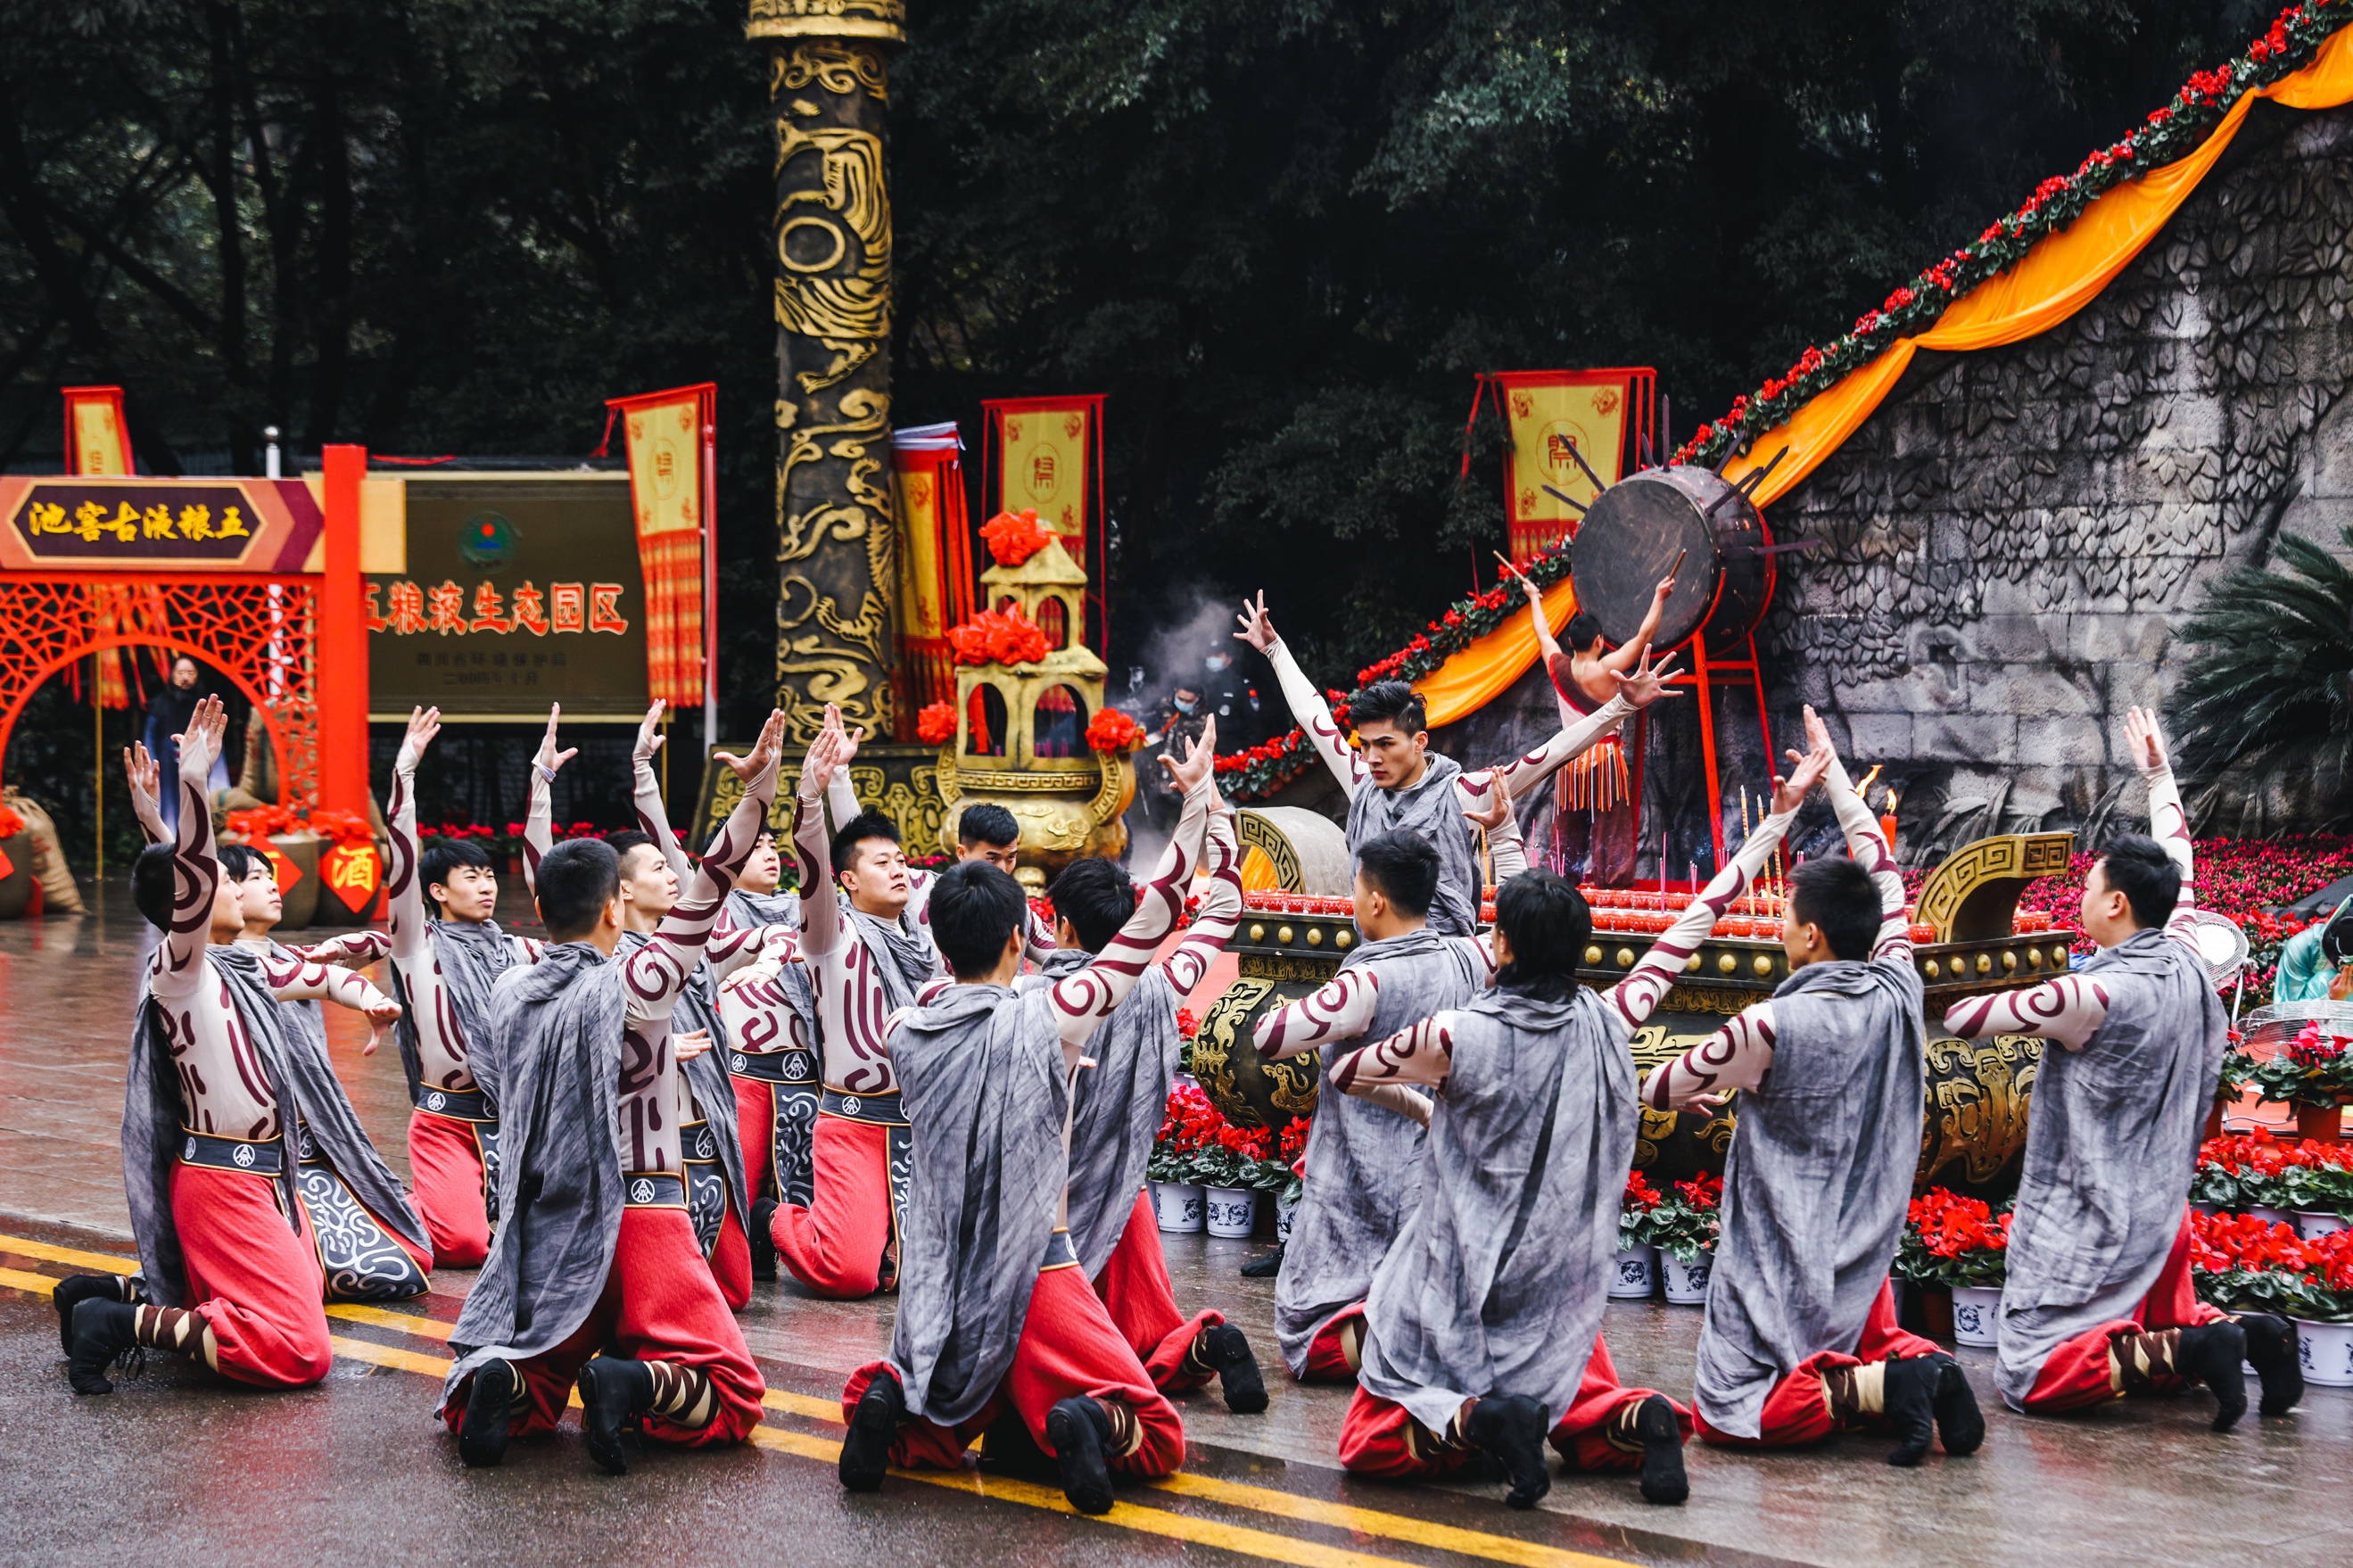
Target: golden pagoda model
(1022, 729)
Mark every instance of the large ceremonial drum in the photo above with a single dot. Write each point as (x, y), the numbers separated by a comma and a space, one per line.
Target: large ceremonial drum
(1637, 530)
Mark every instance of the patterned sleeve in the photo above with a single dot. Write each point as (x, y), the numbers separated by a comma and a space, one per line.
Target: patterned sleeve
(1083, 1000)
(1868, 844)
(292, 979)
(1340, 1009)
(2170, 828)
(655, 974)
(1507, 853)
(179, 967)
(357, 948)
(1422, 1054)
(2067, 1009)
(1222, 910)
(404, 886)
(538, 826)
(653, 817)
(1735, 1057)
(1313, 715)
(821, 924)
(1635, 995)
(1522, 773)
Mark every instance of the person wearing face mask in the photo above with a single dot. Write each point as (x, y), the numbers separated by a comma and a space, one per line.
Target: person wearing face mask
(1232, 699)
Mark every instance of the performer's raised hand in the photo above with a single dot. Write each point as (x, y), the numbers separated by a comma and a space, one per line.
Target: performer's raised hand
(650, 735)
(688, 1044)
(146, 779)
(1807, 770)
(200, 743)
(1200, 759)
(1664, 591)
(2144, 741)
(1818, 734)
(380, 1017)
(817, 767)
(845, 744)
(424, 723)
(1258, 627)
(762, 759)
(1648, 683)
(549, 761)
(1495, 807)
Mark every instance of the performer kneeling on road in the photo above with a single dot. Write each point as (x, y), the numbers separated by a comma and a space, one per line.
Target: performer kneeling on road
(597, 1255)
(1117, 1106)
(229, 1270)
(1397, 782)
(994, 1309)
(2097, 1302)
(1800, 1340)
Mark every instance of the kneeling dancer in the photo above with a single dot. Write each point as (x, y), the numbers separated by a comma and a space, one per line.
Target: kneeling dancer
(595, 1254)
(994, 1309)
(2097, 1301)
(1799, 1339)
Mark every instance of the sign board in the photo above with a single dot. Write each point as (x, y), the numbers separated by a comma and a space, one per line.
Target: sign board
(83, 524)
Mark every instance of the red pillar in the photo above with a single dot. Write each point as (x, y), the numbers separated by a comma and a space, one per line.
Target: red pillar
(343, 642)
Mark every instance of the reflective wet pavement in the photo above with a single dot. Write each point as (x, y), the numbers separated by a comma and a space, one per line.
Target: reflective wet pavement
(177, 1468)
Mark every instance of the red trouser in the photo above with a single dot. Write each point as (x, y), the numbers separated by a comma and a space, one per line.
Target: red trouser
(1797, 1411)
(448, 1166)
(835, 1246)
(1135, 1288)
(730, 1261)
(2075, 1374)
(659, 1304)
(1069, 1346)
(1332, 1354)
(755, 1116)
(1379, 1438)
(251, 1277)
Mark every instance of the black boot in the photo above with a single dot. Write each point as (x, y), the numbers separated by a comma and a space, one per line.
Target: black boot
(1009, 1449)
(612, 1389)
(2271, 1346)
(1077, 1428)
(1265, 1268)
(1510, 1431)
(866, 1451)
(103, 1329)
(75, 1288)
(1238, 1376)
(1960, 1424)
(489, 1406)
(763, 1239)
(2216, 1354)
(1662, 1451)
(1909, 1407)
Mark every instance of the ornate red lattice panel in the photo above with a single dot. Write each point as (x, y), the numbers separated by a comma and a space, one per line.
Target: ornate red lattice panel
(260, 632)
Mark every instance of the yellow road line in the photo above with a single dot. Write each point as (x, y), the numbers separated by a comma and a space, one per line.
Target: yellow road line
(377, 1317)
(104, 1262)
(1371, 1521)
(40, 1284)
(432, 1366)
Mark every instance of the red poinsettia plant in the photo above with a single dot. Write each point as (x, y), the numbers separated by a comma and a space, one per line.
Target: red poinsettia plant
(2242, 1263)
(2315, 1069)
(1639, 1211)
(1013, 537)
(936, 724)
(1113, 731)
(1951, 1240)
(1684, 1225)
(998, 636)
(2255, 1170)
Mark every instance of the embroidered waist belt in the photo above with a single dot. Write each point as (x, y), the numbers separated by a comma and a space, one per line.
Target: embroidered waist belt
(262, 1158)
(882, 1109)
(1061, 1252)
(457, 1104)
(654, 1190)
(774, 1067)
(697, 1143)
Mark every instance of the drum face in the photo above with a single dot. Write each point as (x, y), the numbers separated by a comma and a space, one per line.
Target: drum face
(1632, 537)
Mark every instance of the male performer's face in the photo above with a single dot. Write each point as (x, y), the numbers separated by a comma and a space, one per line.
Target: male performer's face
(228, 908)
(1004, 857)
(876, 877)
(469, 893)
(761, 872)
(647, 884)
(1394, 756)
(2107, 914)
(258, 901)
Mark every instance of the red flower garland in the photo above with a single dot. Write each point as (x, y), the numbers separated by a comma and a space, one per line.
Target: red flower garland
(998, 636)
(1113, 731)
(936, 724)
(1014, 537)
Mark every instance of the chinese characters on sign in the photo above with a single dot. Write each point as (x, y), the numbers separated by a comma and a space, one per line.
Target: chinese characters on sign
(408, 610)
(194, 524)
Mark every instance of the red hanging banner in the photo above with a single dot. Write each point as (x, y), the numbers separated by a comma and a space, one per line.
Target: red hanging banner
(98, 440)
(671, 437)
(1045, 455)
(1574, 433)
(936, 573)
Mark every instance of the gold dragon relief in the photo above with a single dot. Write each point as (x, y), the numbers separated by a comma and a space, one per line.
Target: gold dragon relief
(1218, 1040)
(833, 65)
(883, 20)
(1980, 1092)
(1694, 1138)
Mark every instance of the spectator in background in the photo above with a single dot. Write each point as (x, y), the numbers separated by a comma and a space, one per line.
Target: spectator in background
(168, 713)
(2316, 964)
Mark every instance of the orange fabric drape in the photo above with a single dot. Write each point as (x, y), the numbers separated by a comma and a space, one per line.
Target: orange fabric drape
(2061, 274)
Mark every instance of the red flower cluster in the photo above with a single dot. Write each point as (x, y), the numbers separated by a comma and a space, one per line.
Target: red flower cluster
(1014, 537)
(253, 825)
(2311, 1048)
(1295, 1141)
(1952, 1227)
(1190, 1121)
(1249, 1142)
(936, 724)
(1113, 731)
(998, 636)
(1640, 1194)
(1187, 1024)
(1701, 1194)
(2221, 1243)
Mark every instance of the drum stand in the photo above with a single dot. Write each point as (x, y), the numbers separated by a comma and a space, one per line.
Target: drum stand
(1704, 676)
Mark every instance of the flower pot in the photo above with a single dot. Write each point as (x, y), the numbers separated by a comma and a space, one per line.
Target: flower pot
(2326, 1352)
(2271, 1216)
(1286, 1210)
(1177, 1206)
(2326, 1122)
(1686, 1282)
(1231, 1210)
(2314, 1224)
(1977, 1315)
(1637, 1273)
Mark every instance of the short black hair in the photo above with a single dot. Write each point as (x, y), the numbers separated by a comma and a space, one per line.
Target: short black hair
(1546, 922)
(975, 909)
(623, 840)
(1838, 895)
(1096, 896)
(2140, 869)
(985, 823)
(443, 855)
(1582, 631)
(1390, 703)
(2336, 939)
(576, 879)
(1404, 866)
(866, 824)
(154, 879)
(239, 859)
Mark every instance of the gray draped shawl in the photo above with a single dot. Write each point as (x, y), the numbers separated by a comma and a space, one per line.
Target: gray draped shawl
(745, 908)
(904, 959)
(1117, 1105)
(1497, 1282)
(557, 1029)
(2111, 1144)
(1363, 1162)
(982, 1075)
(1817, 1183)
(472, 954)
(706, 1075)
(1428, 810)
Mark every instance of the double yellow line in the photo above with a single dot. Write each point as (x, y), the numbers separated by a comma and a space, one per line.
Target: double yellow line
(1237, 1538)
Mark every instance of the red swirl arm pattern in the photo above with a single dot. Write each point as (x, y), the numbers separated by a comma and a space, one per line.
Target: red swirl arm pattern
(1340, 1009)
(653, 817)
(1868, 845)
(1222, 910)
(293, 979)
(1640, 992)
(2067, 1009)
(1313, 715)
(179, 967)
(2170, 828)
(1422, 1054)
(658, 972)
(1083, 1000)
(403, 893)
(1735, 1057)
(1524, 773)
